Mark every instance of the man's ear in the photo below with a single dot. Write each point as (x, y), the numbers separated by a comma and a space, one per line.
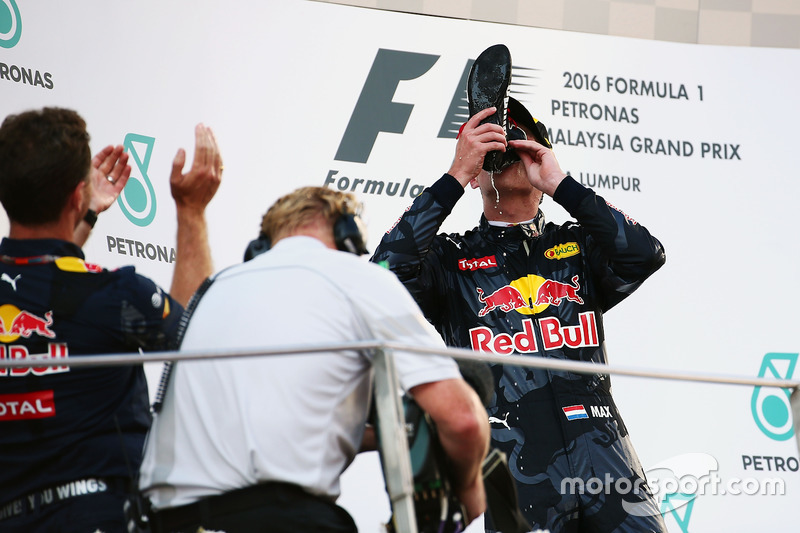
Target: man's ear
(77, 199)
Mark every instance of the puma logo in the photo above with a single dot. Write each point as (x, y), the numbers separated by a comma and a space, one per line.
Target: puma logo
(12, 282)
(495, 420)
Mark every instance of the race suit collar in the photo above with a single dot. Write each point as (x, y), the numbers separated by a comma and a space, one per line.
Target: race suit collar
(524, 230)
(36, 247)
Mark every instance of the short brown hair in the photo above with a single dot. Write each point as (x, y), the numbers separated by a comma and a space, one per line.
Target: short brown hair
(301, 206)
(44, 155)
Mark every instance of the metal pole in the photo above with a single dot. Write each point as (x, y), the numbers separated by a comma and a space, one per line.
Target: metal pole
(393, 440)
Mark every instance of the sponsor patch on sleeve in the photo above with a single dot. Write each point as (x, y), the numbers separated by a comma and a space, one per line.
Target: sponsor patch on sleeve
(562, 251)
(575, 412)
(27, 406)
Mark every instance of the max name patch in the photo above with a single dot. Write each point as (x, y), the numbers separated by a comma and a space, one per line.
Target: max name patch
(578, 412)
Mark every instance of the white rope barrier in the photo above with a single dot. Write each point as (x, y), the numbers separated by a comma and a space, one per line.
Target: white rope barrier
(397, 467)
(579, 367)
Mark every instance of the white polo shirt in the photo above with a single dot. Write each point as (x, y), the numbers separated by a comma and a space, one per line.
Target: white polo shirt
(231, 423)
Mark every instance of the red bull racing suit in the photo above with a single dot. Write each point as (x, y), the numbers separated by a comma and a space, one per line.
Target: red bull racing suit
(540, 289)
(71, 438)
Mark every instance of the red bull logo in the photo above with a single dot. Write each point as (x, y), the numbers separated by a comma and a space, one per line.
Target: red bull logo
(529, 295)
(55, 350)
(505, 298)
(15, 323)
(555, 336)
(553, 292)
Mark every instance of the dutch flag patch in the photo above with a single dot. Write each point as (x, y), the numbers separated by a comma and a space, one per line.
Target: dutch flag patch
(575, 412)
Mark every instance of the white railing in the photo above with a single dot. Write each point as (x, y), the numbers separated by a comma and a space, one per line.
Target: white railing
(396, 460)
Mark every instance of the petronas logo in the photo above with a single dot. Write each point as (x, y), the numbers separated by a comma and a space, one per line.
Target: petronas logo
(10, 24)
(672, 504)
(771, 407)
(138, 198)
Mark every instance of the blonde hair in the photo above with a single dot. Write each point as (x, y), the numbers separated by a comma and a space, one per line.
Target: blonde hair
(302, 206)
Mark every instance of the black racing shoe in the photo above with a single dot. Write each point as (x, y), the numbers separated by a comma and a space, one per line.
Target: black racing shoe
(518, 116)
(487, 86)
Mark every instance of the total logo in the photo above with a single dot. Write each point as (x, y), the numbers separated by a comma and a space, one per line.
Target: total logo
(10, 24)
(27, 406)
(771, 407)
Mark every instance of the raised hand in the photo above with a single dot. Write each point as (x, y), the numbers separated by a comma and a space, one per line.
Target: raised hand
(541, 165)
(109, 174)
(196, 188)
(474, 142)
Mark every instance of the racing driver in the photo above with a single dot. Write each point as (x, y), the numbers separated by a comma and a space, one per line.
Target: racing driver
(517, 285)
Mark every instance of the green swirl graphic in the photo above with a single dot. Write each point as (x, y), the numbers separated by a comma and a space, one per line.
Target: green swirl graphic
(138, 198)
(10, 24)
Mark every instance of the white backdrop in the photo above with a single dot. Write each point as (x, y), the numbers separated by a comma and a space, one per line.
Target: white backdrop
(698, 143)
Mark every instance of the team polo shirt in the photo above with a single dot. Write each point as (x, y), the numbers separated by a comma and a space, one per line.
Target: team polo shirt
(231, 423)
(62, 424)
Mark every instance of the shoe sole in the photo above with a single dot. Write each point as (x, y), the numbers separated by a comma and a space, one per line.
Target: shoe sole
(487, 86)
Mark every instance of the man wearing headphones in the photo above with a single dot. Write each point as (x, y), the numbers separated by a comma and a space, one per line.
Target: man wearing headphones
(259, 443)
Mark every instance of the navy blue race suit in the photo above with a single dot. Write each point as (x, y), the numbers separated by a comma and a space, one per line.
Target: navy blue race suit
(541, 290)
(70, 438)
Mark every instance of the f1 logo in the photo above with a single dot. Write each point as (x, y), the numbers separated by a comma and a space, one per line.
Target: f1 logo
(375, 110)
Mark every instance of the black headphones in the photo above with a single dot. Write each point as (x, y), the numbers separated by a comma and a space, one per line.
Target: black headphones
(257, 247)
(347, 235)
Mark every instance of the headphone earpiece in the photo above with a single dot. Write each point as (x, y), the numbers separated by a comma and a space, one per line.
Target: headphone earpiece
(348, 234)
(257, 246)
